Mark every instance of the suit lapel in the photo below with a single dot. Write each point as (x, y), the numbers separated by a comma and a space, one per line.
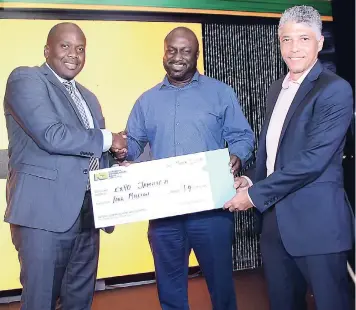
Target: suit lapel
(270, 104)
(302, 92)
(54, 80)
(261, 151)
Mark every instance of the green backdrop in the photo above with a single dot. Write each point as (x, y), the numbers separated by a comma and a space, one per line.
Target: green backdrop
(273, 6)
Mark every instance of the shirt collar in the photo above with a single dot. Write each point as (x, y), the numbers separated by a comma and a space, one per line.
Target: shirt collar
(166, 82)
(287, 80)
(59, 78)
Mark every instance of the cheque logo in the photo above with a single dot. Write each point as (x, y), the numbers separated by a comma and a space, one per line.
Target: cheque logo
(116, 174)
(101, 176)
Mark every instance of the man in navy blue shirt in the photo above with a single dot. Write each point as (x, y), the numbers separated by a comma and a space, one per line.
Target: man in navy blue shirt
(189, 113)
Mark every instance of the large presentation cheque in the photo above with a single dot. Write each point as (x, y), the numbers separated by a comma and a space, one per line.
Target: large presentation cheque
(161, 188)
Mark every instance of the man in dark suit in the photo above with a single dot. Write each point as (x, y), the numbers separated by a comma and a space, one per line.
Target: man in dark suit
(56, 136)
(298, 178)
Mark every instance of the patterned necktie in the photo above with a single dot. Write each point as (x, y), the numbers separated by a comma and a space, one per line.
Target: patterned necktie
(94, 161)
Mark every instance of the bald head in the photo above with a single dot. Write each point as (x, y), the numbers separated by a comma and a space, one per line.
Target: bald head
(181, 52)
(183, 32)
(63, 27)
(65, 50)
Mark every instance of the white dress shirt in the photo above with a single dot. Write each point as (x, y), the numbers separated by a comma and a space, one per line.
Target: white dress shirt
(284, 101)
(107, 135)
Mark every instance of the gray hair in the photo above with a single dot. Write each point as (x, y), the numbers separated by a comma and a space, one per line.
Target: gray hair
(302, 14)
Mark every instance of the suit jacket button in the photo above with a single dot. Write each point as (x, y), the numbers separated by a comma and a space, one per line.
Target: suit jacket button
(85, 171)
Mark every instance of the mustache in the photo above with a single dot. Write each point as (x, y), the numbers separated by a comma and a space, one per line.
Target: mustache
(172, 62)
(71, 62)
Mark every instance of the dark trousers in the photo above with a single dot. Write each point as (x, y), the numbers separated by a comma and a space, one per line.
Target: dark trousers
(58, 267)
(210, 235)
(288, 277)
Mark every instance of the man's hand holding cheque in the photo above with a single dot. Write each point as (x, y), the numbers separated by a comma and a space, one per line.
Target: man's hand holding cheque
(241, 201)
(235, 164)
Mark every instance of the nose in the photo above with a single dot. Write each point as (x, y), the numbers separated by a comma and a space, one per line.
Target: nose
(72, 52)
(177, 56)
(295, 46)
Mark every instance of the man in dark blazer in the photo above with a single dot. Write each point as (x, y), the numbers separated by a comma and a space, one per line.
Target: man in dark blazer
(298, 179)
(56, 136)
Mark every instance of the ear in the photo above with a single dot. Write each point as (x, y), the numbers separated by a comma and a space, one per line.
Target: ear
(320, 43)
(198, 53)
(46, 51)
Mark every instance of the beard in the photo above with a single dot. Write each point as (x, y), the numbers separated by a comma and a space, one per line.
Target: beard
(187, 71)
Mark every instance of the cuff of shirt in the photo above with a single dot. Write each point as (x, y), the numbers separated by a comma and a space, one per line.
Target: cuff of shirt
(248, 180)
(249, 198)
(250, 183)
(107, 139)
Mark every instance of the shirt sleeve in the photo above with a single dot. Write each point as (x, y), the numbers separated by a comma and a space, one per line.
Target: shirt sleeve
(107, 139)
(136, 132)
(236, 129)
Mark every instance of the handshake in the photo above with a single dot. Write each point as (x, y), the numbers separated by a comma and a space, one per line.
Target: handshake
(241, 201)
(119, 145)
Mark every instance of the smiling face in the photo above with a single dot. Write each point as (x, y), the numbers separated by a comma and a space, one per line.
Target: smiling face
(181, 51)
(299, 47)
(65, 50)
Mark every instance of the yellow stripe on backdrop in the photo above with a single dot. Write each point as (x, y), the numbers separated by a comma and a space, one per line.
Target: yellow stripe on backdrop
(123, 60)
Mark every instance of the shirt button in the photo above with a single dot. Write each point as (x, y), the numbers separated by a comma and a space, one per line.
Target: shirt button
(178, 143)
(177, 124)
